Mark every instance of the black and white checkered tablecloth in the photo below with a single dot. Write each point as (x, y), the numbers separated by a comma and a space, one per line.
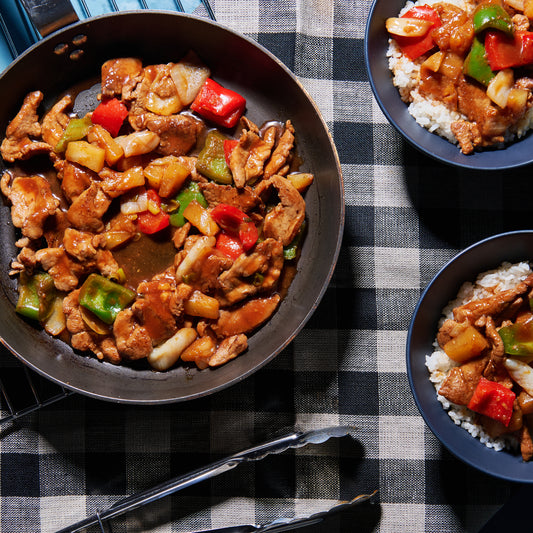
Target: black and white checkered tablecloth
(405, 217)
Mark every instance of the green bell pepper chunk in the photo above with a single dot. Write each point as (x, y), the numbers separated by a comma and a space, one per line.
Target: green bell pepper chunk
(212, 160)
(492, 16)
(183, 199)
(104, 297)
(476, 64)
(76, 129)
(36, 295)
(291, 250)
(518, 338)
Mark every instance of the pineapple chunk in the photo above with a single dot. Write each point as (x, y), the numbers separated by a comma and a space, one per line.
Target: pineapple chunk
(167, 175)
(201, 219)
(199, 304)
(433, 62)
(300, 180)
(199, 352)
(86, 154)
(528, 9)
(465, 346)
(101, 137)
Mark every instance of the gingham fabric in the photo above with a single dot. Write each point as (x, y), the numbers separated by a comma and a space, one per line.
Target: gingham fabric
(406, 215)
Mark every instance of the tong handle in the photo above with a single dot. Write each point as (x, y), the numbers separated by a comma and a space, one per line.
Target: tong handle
(50, 15)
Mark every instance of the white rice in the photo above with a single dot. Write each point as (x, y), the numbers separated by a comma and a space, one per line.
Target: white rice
(428, 112)
(439, 364)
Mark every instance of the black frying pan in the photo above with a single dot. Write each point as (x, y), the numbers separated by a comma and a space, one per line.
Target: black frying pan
(272, 92)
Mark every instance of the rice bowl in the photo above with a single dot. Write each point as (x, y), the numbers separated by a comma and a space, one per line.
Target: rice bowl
(505, 277)
(430, 112)
(487, 254)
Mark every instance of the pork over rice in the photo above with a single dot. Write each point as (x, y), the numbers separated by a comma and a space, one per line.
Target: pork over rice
(481, 366)
(464, 68)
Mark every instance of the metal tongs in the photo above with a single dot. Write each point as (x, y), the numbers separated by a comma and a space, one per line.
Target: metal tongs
(278, 445)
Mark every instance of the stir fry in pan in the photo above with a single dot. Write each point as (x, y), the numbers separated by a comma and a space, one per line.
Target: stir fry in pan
(164, 225)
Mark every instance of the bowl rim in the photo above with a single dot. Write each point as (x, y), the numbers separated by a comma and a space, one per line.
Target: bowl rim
(501, 464)
(431, 144)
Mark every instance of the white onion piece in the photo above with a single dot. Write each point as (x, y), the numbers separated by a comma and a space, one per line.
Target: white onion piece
(167, 354)
(134, 203)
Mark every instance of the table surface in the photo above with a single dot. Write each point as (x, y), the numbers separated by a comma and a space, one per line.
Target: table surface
(406, 215)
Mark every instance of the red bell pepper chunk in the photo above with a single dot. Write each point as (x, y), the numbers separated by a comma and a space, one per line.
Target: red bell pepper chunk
(248, 235)
(149, 222)
(414, 47)
(508, 52)
(229, 245)
(493, 400)
(110, 114)
(237, 223)
(222, 106)
(229, 146)
(229, 217)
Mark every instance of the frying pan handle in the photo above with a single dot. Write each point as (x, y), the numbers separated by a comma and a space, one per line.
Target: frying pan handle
(50, 15)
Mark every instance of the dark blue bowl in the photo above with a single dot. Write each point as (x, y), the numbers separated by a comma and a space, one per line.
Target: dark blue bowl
(376, 44)
(484, 255)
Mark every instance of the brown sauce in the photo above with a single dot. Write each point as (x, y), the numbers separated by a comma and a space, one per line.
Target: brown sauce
(144, 257)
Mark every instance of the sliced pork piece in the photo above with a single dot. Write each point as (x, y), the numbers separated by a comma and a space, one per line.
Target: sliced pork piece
(245, 199)
(75, 179)
(520, 22)
(228, 349)
(178, 134)
(467, 135)
(159, 305)
(25, 261)
(115, 183)
(56, 120)
(205, 277)
(461, 381)
(64, 270)
(248, 158)
(282, 151)
(247, 317)
(86, 212)
(120, 76)
(253, 273)
(491, 333)
(118, 231)
(32, 202)
(284, 221)
(180, 234)
(106, 264)
(526, 443)
(133, 340)
(55, 227)
(156, 92)
(492, 121)
(492, 305)
(79, 244)
(19, 141)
